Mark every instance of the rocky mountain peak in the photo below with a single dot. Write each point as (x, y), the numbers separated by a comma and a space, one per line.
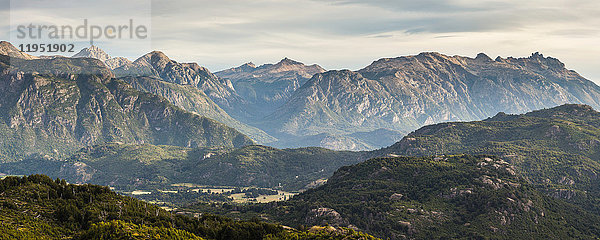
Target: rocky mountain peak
(536, 61)
(289, 65)
(8, 49)
(537, 55)
(483, 57)
(248, 65)
(98, 53)
(154, 59)
(6, 46)
(116, 62)
(154, 56)
(287, 61)
(92, 52)
(434, 55)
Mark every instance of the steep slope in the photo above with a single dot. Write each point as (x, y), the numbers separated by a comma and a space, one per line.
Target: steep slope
(8, 49)
(132, 166)
(406, 93)
(337, 102)
(268, 86)
(157, 64)
(339, 110)
(192, 99)
(56, 106)
(451, 197)
(97, 53)
(180, 93)
(473, 89)
(92, 52)
(37, 207)
(555, 149)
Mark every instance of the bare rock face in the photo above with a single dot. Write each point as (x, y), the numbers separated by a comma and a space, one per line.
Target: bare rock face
(192, 99)
(325, 216)
(406, 93)
(157, 64)
(116, 62)
(268, 86)
(92, 52)
(79, 172)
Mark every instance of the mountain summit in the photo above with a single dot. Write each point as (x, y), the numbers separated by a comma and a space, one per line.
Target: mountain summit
(92, 52)
(8, 49)
(97, 53)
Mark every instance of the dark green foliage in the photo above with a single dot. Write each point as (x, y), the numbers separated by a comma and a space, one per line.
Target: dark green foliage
(121, 230)
(436, 198)
(37, 207)
(557, 149)
(129, 167)
(256, 192)
(264, 166)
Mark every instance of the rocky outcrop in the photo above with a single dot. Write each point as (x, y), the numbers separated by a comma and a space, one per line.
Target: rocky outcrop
(116, 62)
(324, 216)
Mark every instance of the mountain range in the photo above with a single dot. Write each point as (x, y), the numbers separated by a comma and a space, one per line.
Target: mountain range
(480, 167)
(444, 197)
(46, 109)
(534, 173)
(406, 93)
(269, 86)
(290, 104)
(555, 149)
(133, 166)
(507, 176)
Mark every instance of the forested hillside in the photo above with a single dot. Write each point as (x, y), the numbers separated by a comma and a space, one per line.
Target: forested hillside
(37, 207)
(445, 197)
(128, 167)
(556, 149)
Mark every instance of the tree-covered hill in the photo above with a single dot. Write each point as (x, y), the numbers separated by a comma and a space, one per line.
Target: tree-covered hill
(445, 197)
(132, 166)
(556, 149)
(37, 207)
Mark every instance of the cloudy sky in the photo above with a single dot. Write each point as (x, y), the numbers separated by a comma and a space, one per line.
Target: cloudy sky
(335, 33)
